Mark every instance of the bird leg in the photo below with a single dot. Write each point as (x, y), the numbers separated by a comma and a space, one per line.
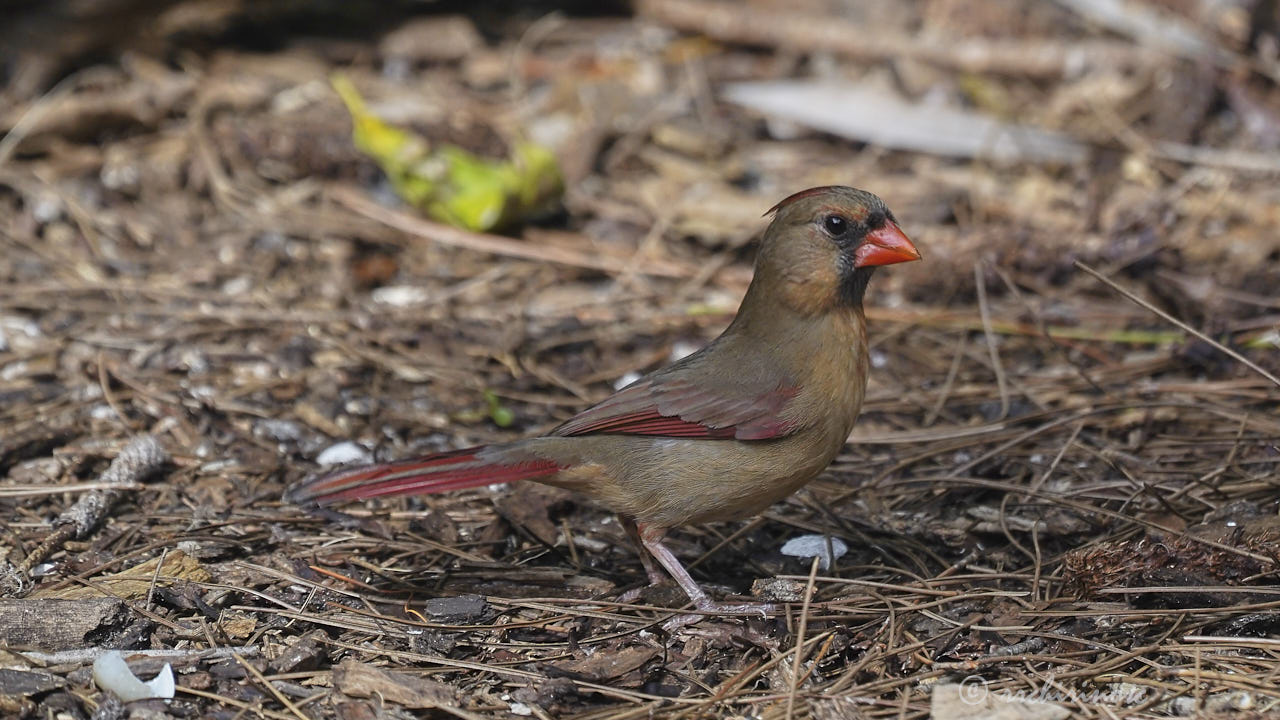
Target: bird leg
(633, 532)
(651, 538)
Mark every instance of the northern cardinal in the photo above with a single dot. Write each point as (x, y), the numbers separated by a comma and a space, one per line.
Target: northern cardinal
(723, 433)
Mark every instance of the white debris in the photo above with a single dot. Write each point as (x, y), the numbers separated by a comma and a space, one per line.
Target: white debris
(112, 674)
(401, 295)
(626, 380)
(865, 113)
(1148, 26)
(238, 285)
(47, 208)
(13, 370)
(344, 453)
(16, 331)
(518, 708)
(807, 546)
(683, 349)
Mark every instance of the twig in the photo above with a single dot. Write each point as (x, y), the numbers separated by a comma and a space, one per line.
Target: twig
(16, 491)
(798, 662)
(980, 281)
(245, 708)
(257, 675)
(947, 384)
(1175, 321)
(1028, 646)
(87, 655)
(34, 115)
(155, 577)
(1229, 640)
(788, 29)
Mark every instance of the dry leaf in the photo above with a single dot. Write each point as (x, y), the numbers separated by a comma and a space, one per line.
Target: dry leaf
(136, 581)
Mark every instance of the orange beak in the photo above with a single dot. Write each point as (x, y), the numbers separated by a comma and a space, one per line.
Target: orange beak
(885, 246)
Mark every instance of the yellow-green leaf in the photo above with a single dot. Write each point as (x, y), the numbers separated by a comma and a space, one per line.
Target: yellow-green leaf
(449, 183)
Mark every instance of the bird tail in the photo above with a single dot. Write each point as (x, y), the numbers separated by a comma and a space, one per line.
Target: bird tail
(442, 472)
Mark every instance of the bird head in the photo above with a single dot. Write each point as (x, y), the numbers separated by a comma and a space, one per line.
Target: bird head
(824, 243)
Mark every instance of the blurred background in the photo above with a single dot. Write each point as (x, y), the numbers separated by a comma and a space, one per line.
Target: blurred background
(263, 231)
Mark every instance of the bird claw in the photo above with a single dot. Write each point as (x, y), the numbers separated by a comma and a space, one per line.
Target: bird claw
(709, 608)
(745, 608)
(631, 595)
(680, 621)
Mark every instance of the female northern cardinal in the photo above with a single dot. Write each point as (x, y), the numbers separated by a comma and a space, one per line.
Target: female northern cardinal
(728, 430)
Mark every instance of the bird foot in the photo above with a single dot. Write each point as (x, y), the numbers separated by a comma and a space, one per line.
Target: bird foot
(680, 621)
(709, 608)
(650, 538)
(658, 594)
(631, 595)
(743, 608)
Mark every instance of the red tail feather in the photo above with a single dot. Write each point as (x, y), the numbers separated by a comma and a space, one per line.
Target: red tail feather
(455, 470)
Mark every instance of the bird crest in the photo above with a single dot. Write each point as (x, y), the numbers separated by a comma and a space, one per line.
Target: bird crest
(799, 196)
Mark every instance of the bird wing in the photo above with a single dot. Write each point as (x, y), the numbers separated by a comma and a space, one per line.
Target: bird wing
(670, 406)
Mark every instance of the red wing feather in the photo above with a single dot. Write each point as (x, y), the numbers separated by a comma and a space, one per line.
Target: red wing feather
(645, 422)
(679, 409)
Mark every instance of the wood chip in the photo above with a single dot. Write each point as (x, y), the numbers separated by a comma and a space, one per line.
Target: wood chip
(28, 682)
(360, 680)
(605, 665)
(59, 624)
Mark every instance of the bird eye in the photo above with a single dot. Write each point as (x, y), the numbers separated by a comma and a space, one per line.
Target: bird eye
(835, 225)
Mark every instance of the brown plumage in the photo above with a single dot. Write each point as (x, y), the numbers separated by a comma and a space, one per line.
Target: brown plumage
(728, 430)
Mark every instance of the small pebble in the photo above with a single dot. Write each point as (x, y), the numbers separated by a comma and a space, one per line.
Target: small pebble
(47, 209)
(344, 453)
(278, 430)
